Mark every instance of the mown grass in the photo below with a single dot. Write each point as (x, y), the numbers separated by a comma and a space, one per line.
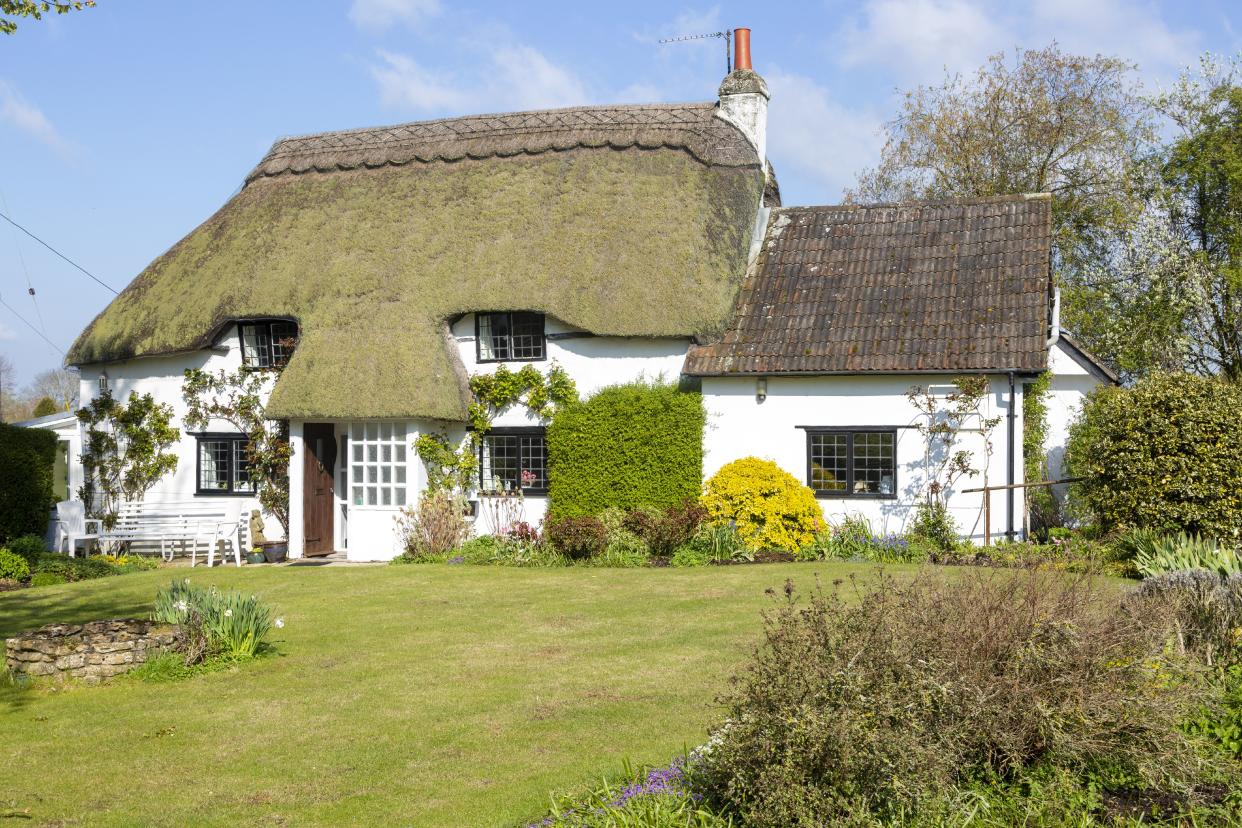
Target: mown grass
(428, 695)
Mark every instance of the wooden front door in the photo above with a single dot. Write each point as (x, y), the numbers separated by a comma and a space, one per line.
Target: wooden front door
(318, 465)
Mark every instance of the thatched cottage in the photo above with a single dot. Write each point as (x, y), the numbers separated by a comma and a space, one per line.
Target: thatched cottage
(617, 241)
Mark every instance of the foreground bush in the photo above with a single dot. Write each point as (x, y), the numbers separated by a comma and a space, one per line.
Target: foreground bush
(1157, 554)
(770, 507)
(876, 708)
(577, 538)
(1164, 455)
(26, 459)
(643, 798)
(434, 528)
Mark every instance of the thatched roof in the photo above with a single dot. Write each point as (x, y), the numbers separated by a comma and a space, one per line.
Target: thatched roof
(627, 221)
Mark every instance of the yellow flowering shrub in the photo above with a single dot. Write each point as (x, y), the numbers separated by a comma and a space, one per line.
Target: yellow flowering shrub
(771, 508)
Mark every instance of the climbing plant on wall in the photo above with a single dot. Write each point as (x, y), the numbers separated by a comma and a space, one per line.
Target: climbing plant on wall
(452, 468)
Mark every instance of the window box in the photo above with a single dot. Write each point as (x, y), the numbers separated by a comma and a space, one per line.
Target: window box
(852, 462)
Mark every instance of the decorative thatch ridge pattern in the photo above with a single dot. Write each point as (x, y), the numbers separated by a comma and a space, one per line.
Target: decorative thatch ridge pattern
(924, 286)
(372, 249)
(691, 127)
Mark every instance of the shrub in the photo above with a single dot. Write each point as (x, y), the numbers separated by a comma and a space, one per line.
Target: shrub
(1164, 455)
(30, 547)
(13, 566)
(76, 569)
(42, 579)
(577, 538)
(632, 446)
(642, 798)
(1173, 553)
(623, 548)
(664, 532)
(867, 709)
(27, 456)
(435, 528)
(1205, 611)
(691, 555)
(769, 506)
(933, 523)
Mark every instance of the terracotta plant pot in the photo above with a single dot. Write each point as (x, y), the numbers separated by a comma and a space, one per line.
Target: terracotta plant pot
(275, 551)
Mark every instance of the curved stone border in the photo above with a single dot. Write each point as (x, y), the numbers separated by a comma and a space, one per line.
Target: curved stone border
(92, 652)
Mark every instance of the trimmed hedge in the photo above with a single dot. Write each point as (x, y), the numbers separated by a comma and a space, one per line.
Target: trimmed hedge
(27, 456)
(632, 446)
(1165, 455)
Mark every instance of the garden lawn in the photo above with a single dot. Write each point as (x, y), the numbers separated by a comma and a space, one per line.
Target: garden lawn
(428, 695)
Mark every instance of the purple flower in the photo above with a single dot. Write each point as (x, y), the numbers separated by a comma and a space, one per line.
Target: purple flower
(457, 559)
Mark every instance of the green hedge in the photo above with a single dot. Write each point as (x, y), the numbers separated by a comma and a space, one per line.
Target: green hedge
(26, 459)
(629, 446)
(1165, 455)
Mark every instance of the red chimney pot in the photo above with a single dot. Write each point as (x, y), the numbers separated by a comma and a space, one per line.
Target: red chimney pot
(741, 49)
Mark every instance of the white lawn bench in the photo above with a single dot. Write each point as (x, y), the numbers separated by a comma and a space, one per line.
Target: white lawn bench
(170, 523)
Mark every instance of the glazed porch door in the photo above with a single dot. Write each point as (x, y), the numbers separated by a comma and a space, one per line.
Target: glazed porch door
(318, 463)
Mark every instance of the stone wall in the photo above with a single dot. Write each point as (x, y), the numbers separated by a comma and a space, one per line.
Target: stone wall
(92, 652)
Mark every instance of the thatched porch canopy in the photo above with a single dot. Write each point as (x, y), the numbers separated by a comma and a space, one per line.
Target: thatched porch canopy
(629, 221)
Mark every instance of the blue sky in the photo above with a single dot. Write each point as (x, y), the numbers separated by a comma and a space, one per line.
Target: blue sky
(124, 126)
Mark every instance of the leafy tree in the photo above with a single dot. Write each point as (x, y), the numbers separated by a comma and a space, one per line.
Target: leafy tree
(1068, 125)
(44, 407)
(237, 399)
(1203, 167)
(35, 9)
(125, 452)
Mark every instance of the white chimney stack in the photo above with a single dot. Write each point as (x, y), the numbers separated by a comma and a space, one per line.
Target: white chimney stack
(744, 97)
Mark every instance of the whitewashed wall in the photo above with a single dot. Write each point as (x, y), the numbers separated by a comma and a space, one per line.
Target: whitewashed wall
(1072, 380)
(162, 377)
(739, 425)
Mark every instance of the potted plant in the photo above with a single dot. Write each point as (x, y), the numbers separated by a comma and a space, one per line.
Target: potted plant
(256, 556)
(275, 551)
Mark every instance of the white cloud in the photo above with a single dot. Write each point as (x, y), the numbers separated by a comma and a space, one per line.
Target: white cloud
(1115, 27)
(921, 38)
(379, 15)
(17, 111)
(510, 78)
(816, 140)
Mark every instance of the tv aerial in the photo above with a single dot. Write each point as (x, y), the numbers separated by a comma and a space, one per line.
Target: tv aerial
(726, 36)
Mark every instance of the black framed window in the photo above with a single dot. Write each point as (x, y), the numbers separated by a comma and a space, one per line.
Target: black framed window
(510, 337)
(852, 462)
(267, 343)
(223, 466)
(512, 460)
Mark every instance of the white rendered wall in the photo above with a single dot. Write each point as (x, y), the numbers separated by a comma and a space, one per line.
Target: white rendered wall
(739, 425)
(162, 377)
(1072, 380)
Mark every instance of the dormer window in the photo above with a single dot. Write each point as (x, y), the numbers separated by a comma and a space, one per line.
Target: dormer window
(510, 337)
(267, 343)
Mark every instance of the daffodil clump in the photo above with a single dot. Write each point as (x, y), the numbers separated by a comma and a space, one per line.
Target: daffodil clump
(226, 624)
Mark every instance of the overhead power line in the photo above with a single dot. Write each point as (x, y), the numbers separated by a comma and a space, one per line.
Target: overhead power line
(58, 253)
(27, 323)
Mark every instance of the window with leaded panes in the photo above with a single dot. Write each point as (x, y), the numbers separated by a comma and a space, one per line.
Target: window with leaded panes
(512, 460)
(267, 343)
(852, 462)
(510, 337)
(223, 465)
(377, 464)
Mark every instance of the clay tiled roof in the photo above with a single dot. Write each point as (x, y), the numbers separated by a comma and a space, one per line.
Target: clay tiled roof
(935, 286)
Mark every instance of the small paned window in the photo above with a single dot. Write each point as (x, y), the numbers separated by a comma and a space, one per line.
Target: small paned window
(515, 460)
(224, 465)
(844, 463)
(267, 344)
(377, 464)
(510, 337)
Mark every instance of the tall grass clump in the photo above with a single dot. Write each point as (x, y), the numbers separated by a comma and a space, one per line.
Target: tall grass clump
(215, 624)
(875, 702)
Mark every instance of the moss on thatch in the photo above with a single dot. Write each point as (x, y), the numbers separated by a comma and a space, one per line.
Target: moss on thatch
(372, 262)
